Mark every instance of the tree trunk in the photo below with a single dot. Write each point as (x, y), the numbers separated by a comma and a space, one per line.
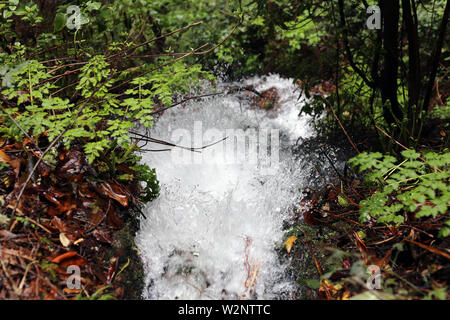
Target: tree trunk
(434, 62)
(414, 85)
(390, 10)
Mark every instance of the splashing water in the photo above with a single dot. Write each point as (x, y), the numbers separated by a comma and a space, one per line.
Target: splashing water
(213, 231)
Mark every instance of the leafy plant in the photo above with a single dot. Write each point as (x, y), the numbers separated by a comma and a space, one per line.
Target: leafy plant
(148, 176)
(104, 119)
(416, 185)
(97, 295)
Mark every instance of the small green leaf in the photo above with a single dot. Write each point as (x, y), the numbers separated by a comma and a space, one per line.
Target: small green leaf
(342, 201)
(59, 22)
(313, 283)
(410, 154)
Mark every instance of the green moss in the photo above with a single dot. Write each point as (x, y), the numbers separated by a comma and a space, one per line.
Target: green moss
(131, 279)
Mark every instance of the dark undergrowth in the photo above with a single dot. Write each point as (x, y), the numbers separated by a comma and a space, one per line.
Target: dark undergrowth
(341, 247)
(71, 236)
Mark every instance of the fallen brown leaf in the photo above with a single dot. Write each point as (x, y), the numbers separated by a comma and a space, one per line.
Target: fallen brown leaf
(290, 243)
(115, 192)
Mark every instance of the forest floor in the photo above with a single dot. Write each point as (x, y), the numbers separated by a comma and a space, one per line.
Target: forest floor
(346, 257)
(406, 262)
(71, 235)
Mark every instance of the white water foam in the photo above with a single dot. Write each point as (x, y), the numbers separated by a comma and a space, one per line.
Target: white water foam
(212, 232)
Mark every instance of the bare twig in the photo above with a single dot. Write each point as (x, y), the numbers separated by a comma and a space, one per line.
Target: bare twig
(221, 42)
(431, 249)
(159, 67)
(343, 129)
(406, 148)
(23, 131)
(159, 38)
(11, 281)
(186, 100)
(153, 140)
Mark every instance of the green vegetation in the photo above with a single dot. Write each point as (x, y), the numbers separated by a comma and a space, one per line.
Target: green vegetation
(412, 185)
(73, 88)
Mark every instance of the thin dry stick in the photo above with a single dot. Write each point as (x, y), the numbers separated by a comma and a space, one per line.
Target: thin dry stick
(343, 129)
(174, 54)
(11, 281)
(159, 67)
(431, 249)
(155, 55)
(436, 85)
(59, 90)
(248, 242)
(65, 66)
(316, 262)
(51, 285)
(205, 96)
(60, 75)
(221, 42)
(186, 100)
(23, 131)
(149, 139)
(57, 59)
(390, 137)
(317, 170)
(49, 49)
(351, 142)
(27, 269)
(33, 221)
(138, 35)
(158, 38)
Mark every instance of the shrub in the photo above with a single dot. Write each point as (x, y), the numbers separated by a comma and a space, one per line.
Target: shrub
(418, 185)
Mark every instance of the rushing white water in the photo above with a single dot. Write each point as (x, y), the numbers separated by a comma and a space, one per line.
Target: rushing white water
(213, 231)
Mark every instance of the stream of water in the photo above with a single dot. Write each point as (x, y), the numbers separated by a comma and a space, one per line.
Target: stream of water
(213, 231)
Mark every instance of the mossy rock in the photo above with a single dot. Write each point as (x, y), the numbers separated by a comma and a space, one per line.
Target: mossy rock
(131, 279)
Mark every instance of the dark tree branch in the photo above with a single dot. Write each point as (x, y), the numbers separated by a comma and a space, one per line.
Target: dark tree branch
(434, 62)
(414, 58)
(390, 10)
